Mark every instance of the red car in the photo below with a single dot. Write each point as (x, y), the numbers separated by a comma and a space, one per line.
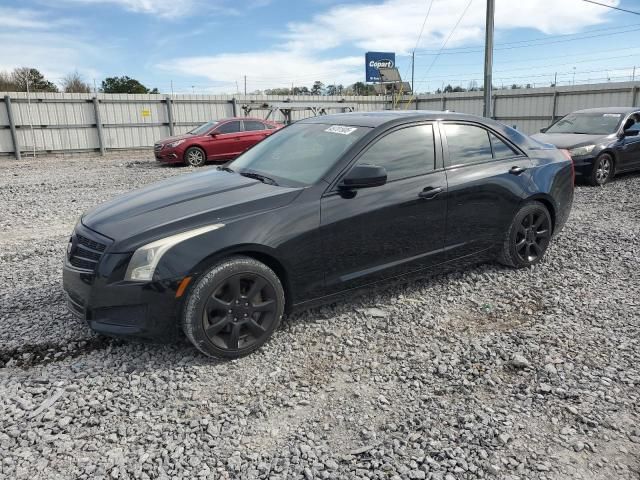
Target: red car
(217, 140)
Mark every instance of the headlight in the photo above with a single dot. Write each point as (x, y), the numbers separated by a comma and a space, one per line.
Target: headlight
(146, 258)
(176, 143)
(578, 151)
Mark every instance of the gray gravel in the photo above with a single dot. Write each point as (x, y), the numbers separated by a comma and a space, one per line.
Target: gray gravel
(488, 373)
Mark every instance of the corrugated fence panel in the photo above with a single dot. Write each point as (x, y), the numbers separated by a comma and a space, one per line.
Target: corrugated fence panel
(67, 122)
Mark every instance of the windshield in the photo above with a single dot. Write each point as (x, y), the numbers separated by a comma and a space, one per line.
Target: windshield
(204, 128)
(301, 153)
(588, 123)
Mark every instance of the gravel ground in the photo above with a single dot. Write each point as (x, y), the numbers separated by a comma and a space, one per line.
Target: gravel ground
(488, 373)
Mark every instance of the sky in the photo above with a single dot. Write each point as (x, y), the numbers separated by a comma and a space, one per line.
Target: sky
(209, 46)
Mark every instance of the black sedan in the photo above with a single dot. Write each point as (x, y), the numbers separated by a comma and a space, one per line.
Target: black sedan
(602, 141)
(318, 210)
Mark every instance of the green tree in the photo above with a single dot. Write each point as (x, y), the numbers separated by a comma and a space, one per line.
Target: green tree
(124, 84)
(332, 90)
(30, 78)
(317, 88)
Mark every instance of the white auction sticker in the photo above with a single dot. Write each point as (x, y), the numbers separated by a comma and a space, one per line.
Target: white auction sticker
(342, 130)
(615, 115)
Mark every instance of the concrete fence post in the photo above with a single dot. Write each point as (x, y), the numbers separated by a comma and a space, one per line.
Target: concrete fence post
(169, 104)
(634, 95)
(494, 109)
(234, 105)
(96, 110)
(554, 107)
(12, 126)
(443, 103)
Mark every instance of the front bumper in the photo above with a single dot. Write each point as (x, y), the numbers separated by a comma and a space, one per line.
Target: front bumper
(168, 155)
(112, 306)
(583, 165)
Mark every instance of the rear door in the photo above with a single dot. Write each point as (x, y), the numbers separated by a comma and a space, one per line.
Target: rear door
(375, 233)
(487, 177)
(227, 141)
(254, 131)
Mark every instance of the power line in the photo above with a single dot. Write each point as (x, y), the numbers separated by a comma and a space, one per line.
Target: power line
(612, 7)
(540, 43)
(464, 12)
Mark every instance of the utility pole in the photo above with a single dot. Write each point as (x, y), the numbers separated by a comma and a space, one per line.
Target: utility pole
(413, 64)
(245, 84)
(633, 75)
(555, 79)
(488, 58)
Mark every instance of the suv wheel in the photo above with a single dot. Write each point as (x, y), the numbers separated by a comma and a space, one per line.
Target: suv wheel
(195, 157)
(602, 170)
(528, 236)
(233, 308)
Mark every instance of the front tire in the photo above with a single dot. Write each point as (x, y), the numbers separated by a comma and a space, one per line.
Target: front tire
(234, 308)
(195, 157)
(602, 170)
(528, 236)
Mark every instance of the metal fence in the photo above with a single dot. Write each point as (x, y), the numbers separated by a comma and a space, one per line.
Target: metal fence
(60, 122)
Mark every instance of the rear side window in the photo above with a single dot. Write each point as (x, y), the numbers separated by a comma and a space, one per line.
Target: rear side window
(501, 149)
(253, 125)
(229, 127)
(403, 153)
(467, 144)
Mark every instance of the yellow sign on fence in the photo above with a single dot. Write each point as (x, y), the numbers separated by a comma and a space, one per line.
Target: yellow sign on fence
(146, 113)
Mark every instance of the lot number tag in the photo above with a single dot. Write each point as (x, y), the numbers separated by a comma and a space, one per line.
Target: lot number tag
(341, 129)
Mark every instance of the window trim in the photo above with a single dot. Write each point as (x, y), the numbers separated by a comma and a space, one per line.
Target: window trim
(437, 159)
(445, 145)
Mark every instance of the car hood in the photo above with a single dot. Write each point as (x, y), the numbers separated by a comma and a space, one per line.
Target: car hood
(182, 203)
(569, 140)
(164, 141)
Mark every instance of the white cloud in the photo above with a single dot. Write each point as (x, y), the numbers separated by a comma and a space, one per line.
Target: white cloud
(393, 25)
(178, 8)
(268, 69)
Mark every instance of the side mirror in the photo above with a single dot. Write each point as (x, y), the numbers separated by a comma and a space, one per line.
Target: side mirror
(630, 133)
(543, 130)
(364, 176)
(214, 134)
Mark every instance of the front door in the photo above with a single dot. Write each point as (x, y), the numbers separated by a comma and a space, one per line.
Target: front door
(226, 143)
(629, 147)
(375, 233)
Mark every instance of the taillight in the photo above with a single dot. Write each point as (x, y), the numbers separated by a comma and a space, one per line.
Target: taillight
(567, 155)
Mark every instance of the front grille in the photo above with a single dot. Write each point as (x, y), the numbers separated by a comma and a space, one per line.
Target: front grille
(85, 253)
(157, 147)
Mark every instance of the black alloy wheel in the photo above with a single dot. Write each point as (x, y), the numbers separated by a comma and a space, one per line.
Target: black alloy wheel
(195, 157)
(528, 236)
(234, 308)
(532, 236)
(602, 170)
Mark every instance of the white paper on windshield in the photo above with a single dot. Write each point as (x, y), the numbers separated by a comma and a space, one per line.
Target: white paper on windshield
(615, 115)
(341, 129)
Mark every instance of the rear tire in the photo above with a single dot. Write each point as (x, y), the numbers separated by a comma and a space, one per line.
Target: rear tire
(234, 308)
(195, 157)
(527, 237)
(602, 170)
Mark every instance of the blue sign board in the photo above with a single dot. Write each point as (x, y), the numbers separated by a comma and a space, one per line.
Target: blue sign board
(375, 60)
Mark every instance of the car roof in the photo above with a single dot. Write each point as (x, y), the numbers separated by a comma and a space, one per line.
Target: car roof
(376, 119)
(609, 110)
(242, 118)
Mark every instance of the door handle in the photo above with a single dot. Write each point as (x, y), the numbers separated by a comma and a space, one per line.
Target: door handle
(430, 192)
(515, 170)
